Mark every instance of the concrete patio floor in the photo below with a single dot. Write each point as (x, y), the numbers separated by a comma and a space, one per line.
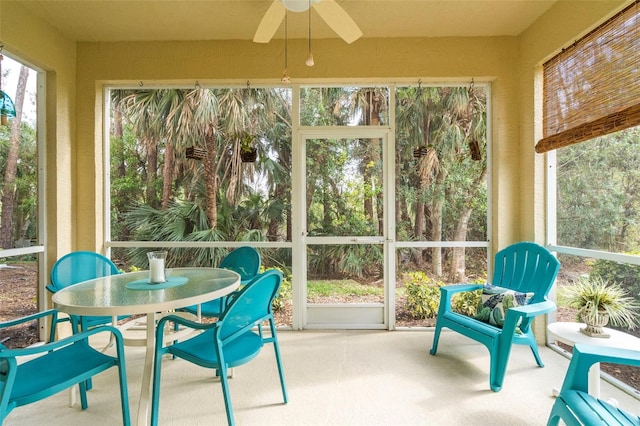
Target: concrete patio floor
(337, 377)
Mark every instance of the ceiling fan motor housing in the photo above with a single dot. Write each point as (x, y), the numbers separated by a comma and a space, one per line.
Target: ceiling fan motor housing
(297, 5)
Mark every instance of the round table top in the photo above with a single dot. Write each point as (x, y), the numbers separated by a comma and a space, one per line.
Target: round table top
(109, 296)
(569, 333)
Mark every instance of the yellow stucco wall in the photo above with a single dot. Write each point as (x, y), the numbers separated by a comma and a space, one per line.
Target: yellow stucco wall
(76, 73)
(44, 48)
(563, 24)
(431, 60)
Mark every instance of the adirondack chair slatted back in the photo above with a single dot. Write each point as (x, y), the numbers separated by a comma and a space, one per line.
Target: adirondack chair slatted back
(527, 268)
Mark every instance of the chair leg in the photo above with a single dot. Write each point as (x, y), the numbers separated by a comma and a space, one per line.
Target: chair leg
(224, 381)
(124, 392)
(534, 348)
(276, 348)
(72, 396)
(559, 411)
(554, 420)
(83, 327)
(83, 395)
(499, 354)
(436, 338)
(496, 374)
(155, 389)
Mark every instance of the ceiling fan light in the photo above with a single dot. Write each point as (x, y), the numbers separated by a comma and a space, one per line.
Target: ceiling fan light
(309, 60)
(296, 5)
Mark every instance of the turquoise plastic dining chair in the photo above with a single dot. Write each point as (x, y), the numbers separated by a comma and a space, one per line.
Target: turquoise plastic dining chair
(230, 342)
(523, 272)
(246, 262)
(81, 266)
(52, 367)
(575, 406)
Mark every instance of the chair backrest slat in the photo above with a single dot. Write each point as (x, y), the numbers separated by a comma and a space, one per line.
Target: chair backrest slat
(526, 267)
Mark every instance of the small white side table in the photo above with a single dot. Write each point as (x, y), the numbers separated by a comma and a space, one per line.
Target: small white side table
(569, 333)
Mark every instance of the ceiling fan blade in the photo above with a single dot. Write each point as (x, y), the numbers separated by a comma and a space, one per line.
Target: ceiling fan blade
(270, 22)
(339, 20)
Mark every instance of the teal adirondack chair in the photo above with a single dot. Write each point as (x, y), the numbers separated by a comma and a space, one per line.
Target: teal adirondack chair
(525, 271)
(245, 261)
(55, 366)
(575, 406)
(229, 342)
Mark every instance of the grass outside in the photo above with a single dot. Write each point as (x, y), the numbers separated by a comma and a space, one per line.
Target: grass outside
(341, 289)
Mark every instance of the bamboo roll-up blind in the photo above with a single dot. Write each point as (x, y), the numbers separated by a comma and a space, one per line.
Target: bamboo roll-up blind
(593, 87)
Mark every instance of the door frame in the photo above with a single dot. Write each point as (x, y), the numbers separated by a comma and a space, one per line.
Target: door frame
(340, 316)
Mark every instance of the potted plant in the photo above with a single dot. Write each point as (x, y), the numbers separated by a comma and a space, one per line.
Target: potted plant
(248, 149)
(599, 302)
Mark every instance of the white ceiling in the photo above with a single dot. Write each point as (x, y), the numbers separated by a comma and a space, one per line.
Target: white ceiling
(119, 20)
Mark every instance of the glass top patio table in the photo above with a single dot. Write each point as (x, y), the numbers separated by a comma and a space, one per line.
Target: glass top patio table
(110, 295)
(113, 296)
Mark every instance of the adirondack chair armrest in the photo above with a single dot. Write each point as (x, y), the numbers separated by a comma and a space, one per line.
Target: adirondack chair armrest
(584, 356)
(457, 288)
(515, 314)
(533, 309)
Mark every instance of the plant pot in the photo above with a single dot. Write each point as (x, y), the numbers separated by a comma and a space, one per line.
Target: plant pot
(249, 156)
(595, 324)
(420, 151)
(196, 153)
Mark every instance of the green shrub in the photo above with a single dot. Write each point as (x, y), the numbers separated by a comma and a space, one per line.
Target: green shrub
(423, 295)
(625, 274)
(466, 303)
(284, 293)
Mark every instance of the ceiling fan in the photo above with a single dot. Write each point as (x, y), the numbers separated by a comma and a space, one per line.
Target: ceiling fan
(332, 13)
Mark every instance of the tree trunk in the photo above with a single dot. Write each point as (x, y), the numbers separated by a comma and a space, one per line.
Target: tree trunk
(167, 174)
(118, 134)
(437, 205)
(418, 226)
(9, 187)
(458, 265)
(211, 185)
(151, 144)
(371, 117)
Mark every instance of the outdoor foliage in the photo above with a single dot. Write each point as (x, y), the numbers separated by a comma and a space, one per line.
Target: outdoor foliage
(599, 193)
(423, 295)
(25, 186)
(466, 302)
(160, 193)
(593, 295)
(598, 203)
(627, 275)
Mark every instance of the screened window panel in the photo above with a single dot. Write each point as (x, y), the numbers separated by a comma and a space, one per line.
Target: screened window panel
(591, 88)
